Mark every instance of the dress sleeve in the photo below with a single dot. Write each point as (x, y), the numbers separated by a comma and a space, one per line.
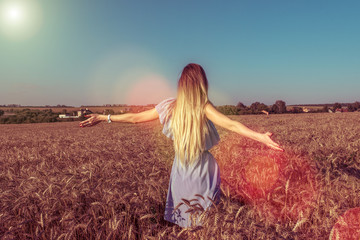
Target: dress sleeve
(212, 138)
(163, 108)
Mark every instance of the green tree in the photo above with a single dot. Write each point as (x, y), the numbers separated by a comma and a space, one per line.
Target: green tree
(240, 106)
(274, 109)
(297, 110)
(228, 110)
(1, 112)
(254, 106)
(336, 106)
(282, 106)
(262, 107)
(278, 107)
(356, 105)
(351, 108)
(109, 111)
(325, 108)
(257, 107)
(242, 109)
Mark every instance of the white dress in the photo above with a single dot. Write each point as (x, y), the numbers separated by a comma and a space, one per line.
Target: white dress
(203, 177)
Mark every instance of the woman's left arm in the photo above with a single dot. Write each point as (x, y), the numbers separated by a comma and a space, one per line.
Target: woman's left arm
(223, 121)
(144, 116)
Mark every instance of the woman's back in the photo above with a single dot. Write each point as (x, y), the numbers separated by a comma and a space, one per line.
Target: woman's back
(202, 178)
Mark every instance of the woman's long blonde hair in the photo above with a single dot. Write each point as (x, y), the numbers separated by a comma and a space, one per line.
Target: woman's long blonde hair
(188, 121)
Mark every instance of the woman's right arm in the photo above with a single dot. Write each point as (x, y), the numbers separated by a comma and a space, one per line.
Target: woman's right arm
(223, 121)
(140, 117)
(144, 116)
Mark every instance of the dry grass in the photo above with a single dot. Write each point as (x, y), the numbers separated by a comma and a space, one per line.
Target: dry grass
(59, 181)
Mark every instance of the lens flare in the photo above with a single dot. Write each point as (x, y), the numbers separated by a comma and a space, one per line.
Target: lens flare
(151, 88)
(121, 71)
(19, 19)
(347, 226)
(281, 186)
(14, 14)
(262, 172)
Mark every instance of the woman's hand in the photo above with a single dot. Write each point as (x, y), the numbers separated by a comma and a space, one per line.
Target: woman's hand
(265, 138)
(92, 121)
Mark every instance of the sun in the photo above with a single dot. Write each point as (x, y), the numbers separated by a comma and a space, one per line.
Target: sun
(19, 19)
(14, 14)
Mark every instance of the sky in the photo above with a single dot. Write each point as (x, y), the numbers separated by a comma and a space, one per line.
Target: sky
(89, 52)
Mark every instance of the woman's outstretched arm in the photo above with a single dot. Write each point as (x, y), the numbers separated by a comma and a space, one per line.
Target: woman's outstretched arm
(144, 116)
(223, 121)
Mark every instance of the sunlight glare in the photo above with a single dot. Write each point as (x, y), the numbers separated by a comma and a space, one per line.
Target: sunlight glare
(19, 19)
(14, 14)
(262, 172)
(151, 88)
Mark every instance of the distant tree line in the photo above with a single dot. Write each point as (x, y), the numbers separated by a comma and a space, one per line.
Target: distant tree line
(279, 107)
(37, 116)
(350, 107)
(46, 106)
(354, 107)
(254, 108)
(120, 105)
(47, 115)
(29, 116)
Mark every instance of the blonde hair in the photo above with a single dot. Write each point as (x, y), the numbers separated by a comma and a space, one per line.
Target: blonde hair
(188, 121)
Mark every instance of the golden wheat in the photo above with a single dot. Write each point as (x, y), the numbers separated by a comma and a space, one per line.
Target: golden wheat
(59, 181)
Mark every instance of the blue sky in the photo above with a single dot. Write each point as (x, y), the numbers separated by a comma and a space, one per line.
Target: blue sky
(89, 52)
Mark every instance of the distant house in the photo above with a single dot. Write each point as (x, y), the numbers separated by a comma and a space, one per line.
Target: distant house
(126, 109)
(82, 112)
(266, 112)
(66, 115)
(341, 110)
(305, 109)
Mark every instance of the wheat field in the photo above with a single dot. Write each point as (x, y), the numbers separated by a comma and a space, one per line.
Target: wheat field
(60, 181)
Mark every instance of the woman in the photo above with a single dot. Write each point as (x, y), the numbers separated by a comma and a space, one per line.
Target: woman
(188, 121)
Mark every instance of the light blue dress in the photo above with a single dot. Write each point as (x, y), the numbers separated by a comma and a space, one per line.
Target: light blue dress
(203, 177)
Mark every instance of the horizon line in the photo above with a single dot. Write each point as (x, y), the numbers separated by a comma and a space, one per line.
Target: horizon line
(142, 105)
